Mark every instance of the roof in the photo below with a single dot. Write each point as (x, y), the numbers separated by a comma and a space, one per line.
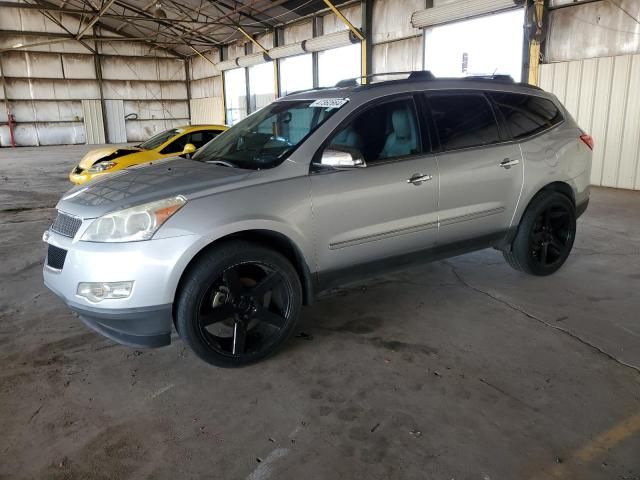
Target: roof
(179, 26)
(416, 81)
(191, 128)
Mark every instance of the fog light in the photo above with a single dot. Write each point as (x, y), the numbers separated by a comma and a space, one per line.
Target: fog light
(98, 291)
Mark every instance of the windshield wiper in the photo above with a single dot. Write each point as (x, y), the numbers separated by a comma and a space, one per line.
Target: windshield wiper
(224, 163)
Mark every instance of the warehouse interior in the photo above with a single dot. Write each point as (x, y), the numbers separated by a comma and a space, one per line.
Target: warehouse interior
(461, 368)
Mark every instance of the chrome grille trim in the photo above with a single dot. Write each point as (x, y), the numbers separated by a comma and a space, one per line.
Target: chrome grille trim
(66, 225)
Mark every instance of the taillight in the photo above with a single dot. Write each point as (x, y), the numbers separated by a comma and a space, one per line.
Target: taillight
(588, 140)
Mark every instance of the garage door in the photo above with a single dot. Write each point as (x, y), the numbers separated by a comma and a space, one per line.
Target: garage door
(459, 10)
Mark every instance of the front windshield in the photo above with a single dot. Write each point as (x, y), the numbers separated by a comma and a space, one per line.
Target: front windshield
(266, 138)
(159, 139)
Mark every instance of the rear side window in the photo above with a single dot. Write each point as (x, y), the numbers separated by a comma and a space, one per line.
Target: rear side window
(463, 120)
(526, 115)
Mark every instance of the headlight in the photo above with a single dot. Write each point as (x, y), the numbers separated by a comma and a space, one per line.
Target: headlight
(135, 223)
(101, 167)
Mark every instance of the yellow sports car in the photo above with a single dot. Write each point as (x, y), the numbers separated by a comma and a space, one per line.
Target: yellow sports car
(170, 143)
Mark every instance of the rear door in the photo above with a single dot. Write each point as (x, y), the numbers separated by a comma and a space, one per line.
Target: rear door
(382, 211)
(481, 171)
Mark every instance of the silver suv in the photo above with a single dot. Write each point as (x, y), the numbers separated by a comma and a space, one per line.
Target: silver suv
(319, 188)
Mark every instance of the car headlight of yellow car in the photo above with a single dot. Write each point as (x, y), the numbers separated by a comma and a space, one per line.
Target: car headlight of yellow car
(101, 167)
(133, 224)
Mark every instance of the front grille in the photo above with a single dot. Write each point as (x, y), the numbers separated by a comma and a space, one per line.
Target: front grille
(66, 225)
(56, 257)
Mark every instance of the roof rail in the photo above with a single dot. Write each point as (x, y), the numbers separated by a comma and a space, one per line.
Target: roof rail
(411, 75)
(497, 78)
(419, 75)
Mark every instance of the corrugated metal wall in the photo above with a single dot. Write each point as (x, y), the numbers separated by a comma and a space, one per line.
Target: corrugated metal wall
(207, 104)
(93, 121)
(116, 130)
(47, 84)
(603, 95)
(397, 46)
(207, 110)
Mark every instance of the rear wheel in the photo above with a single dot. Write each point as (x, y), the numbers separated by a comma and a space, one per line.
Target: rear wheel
(545, 235)
(239, 304)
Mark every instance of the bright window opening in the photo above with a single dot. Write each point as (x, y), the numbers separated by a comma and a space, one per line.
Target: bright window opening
(482, 46)
(296, 73)
(261, 86)
(338, 64)
(235, 93)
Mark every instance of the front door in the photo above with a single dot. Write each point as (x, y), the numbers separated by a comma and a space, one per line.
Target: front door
(383, 212)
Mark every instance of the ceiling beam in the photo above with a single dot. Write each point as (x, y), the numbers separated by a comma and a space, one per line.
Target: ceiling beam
(47, 14)
(96, 17)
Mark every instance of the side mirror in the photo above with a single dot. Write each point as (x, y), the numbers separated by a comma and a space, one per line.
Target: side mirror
(189, 148)
(341, 157)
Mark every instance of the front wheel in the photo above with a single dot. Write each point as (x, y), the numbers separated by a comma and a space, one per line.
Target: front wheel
(238, 304)
(545, 235)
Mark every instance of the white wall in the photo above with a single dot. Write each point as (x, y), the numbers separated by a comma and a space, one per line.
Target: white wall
(396, 45)
(603, 95)
(46, 84)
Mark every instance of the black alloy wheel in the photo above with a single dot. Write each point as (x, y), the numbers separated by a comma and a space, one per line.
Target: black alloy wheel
(239, 304)
(551, 235)
(545, 235)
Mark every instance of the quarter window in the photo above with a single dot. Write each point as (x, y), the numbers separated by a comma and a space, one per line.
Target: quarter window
(382, 132)
(463, 120)
(526, 115)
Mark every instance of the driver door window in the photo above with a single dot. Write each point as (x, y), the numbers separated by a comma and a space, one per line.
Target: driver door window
(177, 146)
(198, 139)
(375, 212)
(382, 133)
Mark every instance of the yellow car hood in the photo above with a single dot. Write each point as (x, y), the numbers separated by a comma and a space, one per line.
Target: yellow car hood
(101, 153)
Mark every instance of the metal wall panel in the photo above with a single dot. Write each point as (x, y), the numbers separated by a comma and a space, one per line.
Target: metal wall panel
(201, 68)
(331, 23)
(297, 32)
(116, 130)
(591, 30)
(398, 56)
(391, 19)
(93, 122)
(207, 110)
(603, 95)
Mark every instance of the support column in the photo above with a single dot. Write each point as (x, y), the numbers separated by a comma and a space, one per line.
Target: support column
(536, 33)
(317, 28)
(367, 47)
(98, 67)
(187, 76)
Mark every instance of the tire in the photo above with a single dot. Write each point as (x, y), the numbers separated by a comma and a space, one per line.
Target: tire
(545, 235)
(238, 304)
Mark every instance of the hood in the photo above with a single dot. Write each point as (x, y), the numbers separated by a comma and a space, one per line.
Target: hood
(106, 153)
(146, 183)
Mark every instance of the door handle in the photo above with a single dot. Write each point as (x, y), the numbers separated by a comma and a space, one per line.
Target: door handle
(508, 163)
(418, 178)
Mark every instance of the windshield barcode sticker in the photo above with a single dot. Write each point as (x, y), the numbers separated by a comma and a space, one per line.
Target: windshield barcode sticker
(329, 102)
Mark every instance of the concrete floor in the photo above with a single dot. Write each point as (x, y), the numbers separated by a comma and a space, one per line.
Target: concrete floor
(463, 369)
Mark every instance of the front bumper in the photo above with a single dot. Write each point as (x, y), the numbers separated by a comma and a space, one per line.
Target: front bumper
(79, 176)
(145, 327)
(143, 319)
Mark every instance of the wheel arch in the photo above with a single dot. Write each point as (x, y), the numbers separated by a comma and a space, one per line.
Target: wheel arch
(270, 239)
(559, 186)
